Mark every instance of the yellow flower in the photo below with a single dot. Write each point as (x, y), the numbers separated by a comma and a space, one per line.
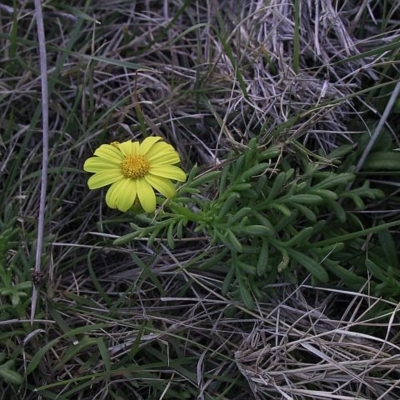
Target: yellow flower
(134, 170)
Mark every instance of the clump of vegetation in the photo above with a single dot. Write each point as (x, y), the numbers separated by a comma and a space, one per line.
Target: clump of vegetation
(267, 222)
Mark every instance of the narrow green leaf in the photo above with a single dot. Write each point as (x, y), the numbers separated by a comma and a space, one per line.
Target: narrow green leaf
(359, 203)
(37, 357)
(228, 204)
(264, 221)
(382, 161)
(104, 354)
(226, 285)
(325, 194)
(10, 376)
(239, 215)
(309, 214)
(246, 269)
(256, 230)
(354, 235)
(279, 181)
(179, 228)
(256, 170)
(338, 210)
(375, 270)
(340, 152)
(136, 344)
(350, 278)
(232, 241)
(126, 238)
(335, 180)
(205, 178)
(223, 179)
(262, 264)
(281, 208)
(313, 267)
(213, 260)
(389, 248)
(240, 187)
(305, 199)
(148, 271)
(270, 153)
(170, 236)
(60, 321)
(96, 282)
(156, 229)
(245, 295)
(301, 237)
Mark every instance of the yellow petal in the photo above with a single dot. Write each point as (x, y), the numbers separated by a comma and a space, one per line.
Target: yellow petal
(104, 178)
(148, 143)
(97, 164)
(162, 185)
(146, 195)
(126, 194)
(109, 152)
(112, 193)
(162, 153)
(169, 172)
(129, 148)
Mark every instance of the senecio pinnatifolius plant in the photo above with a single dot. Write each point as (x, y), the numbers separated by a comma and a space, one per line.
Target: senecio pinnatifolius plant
(263, 221)
(134, 170)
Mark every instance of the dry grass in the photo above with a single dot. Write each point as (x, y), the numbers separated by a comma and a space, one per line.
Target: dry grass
(151, 323)
(321, 351)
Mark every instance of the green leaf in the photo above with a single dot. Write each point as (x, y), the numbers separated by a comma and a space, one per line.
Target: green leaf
(375, 270)
(228, 204)
(256, 230)
(325, 194)
(354, 235)
(382, 161)
(232, 241)
(212, 260)
(256, 170)
(281, 208)
(8, 375)
(126, 238)
(246, 269)
(340, 152)
(388, 247)
(262, 264)
(279, 181)
(311, 199)
(170, 236)
(335, 180)
(314, 267)
(228, 281)
(104, 354)
(239, 215)
(309, 214)
(205, 178)
(263, 221)
(350, 278)
(356, 199)
(239, 187)
(245, 295)
(270, 153)
(338, 210)
(301, 237)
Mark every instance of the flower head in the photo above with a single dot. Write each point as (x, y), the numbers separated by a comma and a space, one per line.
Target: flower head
(134, 170)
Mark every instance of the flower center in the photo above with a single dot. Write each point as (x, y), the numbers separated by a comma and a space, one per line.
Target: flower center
(135, 166)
